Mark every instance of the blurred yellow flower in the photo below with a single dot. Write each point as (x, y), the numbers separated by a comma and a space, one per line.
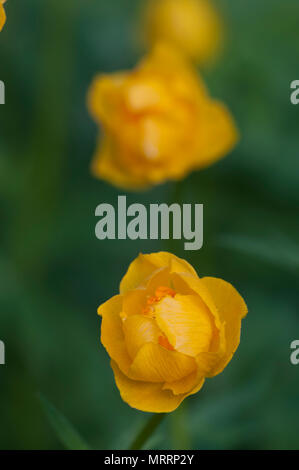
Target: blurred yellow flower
(168, 330)
(194, 26)
(159, 122)
(2, 14)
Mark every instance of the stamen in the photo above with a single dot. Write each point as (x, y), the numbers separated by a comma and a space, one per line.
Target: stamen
(163, 291)
(160, 293)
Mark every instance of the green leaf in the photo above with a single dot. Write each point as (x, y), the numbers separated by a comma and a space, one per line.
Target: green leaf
(62, 427)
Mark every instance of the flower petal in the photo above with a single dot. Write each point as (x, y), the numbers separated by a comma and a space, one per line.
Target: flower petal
(206, 361)
(105, 98)
(154, 363)
(139, 330)
(232, 309)
(218, 133)
(198, 386)
(144, 396)
(192, 26)
(188, 285)
(161, 277)
(184, 385)
(2, 15)
(146, 93)
(134, 302)
(186, 322)
(144, 266)
(112, 336)
(104, 165)
(175, 71)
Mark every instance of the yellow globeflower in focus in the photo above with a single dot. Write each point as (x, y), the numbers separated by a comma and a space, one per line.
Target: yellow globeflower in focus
(168, 330)
(194, 26)
(158, 121)
(2, 14)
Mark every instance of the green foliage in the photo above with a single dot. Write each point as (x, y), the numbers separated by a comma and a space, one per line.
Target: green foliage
(55, 273)
(64, 430)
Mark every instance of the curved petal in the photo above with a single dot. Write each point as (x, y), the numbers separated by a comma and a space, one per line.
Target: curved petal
(139, 270)
(105, 98)
(186, 322)
(206, 361)
(218, 133)
(161, 277)
(105, 166)
(145, 265)
(192, 26)
(232, 309)
(182, 386)
(198, 386)
(229, 302)
(112, 336)
(144, 396)
(139, 330)
(146, 93)
(175, 70)
(134, 301)
(155, 363)
(2, 17)
(188, 285)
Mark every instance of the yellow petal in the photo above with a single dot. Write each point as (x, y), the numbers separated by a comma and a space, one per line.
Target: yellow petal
(146, 93)
(229, 302)
(185, 385)
(2, 16)
(193, 26)
(161, 277)
(232, 309)
(139, 330)
(186, 322)
(198, 386)
(112, 335)
(105, 96)
(134, 301)
(189, 285)
(145, 396)
(106, 166)
(175, 70)
(206, 361)
(157, 134)
(139, 271)
(218, 133)
(144, 266)
(154, 363)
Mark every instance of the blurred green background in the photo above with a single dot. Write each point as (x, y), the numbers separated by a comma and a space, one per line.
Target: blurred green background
(54, 272)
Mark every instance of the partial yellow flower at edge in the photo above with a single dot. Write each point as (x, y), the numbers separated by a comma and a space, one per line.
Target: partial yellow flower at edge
(193, 26)
(158, 122)
(168, 330)
(2, 14)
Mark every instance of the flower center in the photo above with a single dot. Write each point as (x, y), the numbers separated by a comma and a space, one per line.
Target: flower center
(160, 293)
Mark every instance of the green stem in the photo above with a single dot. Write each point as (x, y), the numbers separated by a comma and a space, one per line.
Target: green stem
(180, 428)
(147, 431)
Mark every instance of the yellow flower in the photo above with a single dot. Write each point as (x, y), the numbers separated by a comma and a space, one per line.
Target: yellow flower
(159, 122)
(194, 26)
(2, 14)
(168, 330)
